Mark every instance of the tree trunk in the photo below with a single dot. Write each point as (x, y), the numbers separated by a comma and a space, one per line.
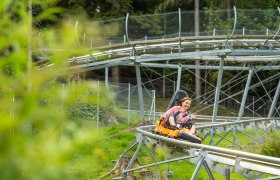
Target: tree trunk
(115, 74)
(228, 9)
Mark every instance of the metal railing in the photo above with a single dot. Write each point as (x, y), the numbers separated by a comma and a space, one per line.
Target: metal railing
(221, 160)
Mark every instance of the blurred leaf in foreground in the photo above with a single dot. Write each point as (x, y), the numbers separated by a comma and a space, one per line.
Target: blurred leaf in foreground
(37, 139)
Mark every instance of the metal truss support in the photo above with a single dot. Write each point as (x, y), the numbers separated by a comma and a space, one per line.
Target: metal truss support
(179, 77)
(209, 172)
(159, 163)
(204, 67)
(143, 142)
(130, 147)
(254, 127)
(245, 94)
(218, 89)
(275, 100)
(152, 152)
(224, 137)
(209, 133)
(168, 172)
(212, 141)
(274, 125)
(133, 157)
(219, 168)
(201, 162)
(235, 136)
(205, 136)
(140, 93)
(264, 130)
(245, 172)
(252, 138)
(271, 178)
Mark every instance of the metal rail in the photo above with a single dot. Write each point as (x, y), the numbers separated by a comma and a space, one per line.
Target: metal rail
(146, 131)
(157, 46)
(221, 160)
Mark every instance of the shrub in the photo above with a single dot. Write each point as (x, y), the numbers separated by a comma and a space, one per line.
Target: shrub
(272, 145)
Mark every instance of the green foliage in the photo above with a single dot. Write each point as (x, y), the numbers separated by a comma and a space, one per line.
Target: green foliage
(98, 9)
(38, 140)
(272, 145)
(213, 19)
(118, 138)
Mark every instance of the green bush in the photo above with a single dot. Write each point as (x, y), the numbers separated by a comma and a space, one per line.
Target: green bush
(272, 145)
(37, 139)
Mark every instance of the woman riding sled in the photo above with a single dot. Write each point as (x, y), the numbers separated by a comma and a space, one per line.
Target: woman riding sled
(179, 117)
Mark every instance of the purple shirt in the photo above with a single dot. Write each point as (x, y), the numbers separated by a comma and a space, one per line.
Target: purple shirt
(173, 110)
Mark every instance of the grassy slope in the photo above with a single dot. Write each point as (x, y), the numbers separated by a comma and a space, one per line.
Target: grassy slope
(117, 142)
(118, 139)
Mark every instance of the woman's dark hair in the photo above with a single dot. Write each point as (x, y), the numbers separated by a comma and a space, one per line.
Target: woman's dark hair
(179, 103)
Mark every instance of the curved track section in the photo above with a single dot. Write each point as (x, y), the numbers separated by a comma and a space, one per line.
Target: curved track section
(250, 49)
(212, 158)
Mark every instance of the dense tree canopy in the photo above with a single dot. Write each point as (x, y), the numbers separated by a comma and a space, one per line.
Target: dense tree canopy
(118, 8)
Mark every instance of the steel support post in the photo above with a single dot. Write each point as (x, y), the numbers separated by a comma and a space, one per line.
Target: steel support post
(154, 105)
(212, 141)
(106, 77)
(179, 14)
(133, 157)
(134, 142)
(211, 177)
(274, 102)
(200, 162)
(218, 88)
(140, 93)
(179, 77)
(235, 20)
(236, 137)
(126, 28)
(179, 33)
(128, 103)
(245, 94)
(227, 174)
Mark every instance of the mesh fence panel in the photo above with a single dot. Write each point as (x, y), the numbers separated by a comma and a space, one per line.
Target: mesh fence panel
(166, 25)
(101, 33)
(127, 96)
